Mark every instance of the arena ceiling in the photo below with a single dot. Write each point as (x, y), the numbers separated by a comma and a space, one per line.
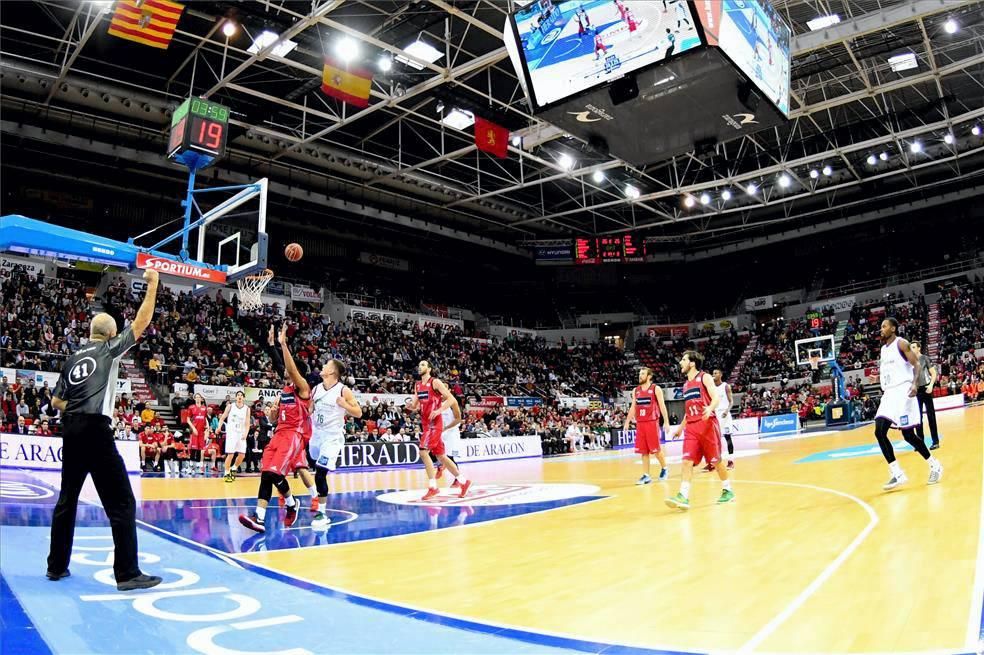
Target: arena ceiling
(67, 83)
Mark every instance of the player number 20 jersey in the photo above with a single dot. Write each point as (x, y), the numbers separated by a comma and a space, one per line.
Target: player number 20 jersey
(647, 405)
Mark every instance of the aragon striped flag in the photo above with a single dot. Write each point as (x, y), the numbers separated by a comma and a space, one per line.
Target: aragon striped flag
(348, 85)
(150, 22)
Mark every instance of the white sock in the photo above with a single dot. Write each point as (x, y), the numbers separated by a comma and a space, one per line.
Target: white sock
(896, 469)
(260, 512)
(432, 484)
(726, 485)
(289, 500)
(933, 462)
(685, 489)
(313, 490)
(234, 468)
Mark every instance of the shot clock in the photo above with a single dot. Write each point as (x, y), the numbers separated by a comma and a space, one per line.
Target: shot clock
(198, 133)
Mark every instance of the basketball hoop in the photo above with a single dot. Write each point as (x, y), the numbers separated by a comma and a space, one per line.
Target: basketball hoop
(250, 288)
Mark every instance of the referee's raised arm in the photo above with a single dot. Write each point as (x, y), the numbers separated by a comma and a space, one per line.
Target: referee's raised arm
(85, 393)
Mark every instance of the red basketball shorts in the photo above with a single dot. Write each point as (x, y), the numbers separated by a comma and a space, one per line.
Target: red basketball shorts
(280, 456)
(431, 438)
(647, 438)
(302, 461)
(702, 439)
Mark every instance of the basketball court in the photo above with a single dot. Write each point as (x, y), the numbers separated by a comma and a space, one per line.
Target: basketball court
(549, 555)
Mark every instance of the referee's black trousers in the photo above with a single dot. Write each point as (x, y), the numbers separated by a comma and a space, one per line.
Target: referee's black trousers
(927, 409)
(89, 449)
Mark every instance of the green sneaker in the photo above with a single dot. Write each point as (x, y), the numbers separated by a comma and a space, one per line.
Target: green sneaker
(678, 502)
(727, 496)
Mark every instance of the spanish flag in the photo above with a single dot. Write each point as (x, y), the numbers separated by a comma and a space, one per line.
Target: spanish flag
(348, 85)
(150, 22)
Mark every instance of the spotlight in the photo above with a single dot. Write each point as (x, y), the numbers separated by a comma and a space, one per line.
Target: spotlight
(689, 202)
(347, 49)
(883, 156)
(440, 106)
(516, 141)
(751, 189)
(631, 192)
(705, 199)
(915, 147)
(828, 171)
(950, 26)
(726, 195)
(598, 177)
(229, 28)
(814, 173)
(785, 181)
(872, 160)
(948, 139)
(976, 130)
(385, 63)
(566, 161)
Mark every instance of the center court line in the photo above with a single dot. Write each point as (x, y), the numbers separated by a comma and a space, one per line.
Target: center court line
(828, 571)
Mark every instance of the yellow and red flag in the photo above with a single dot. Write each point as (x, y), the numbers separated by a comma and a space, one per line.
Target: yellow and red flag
(491, 138)
(150, 22)
(351, 85)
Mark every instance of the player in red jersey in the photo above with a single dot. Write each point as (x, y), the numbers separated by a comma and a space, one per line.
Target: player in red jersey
(701, 431)
(149, 448)
(648, 410)
(280, 456)
(197, 418)
(432, 398)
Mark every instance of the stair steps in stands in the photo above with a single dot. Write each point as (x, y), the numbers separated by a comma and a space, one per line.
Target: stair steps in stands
(933, 338)
(141, 391)
(745, 354)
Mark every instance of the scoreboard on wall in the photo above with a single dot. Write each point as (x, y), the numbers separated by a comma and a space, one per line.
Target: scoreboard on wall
(611, 249)
(815, 320)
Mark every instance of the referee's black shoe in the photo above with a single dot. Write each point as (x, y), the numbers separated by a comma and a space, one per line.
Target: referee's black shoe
(142, 581)
(51, 575)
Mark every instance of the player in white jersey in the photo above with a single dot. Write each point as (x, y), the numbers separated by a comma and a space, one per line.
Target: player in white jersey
(451, 418)
(330, 402)
(237, 419)
(723, 412)
(898, 370)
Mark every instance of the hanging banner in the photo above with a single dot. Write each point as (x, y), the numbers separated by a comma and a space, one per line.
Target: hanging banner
(758, 303)
(393, 263)
(426, 322)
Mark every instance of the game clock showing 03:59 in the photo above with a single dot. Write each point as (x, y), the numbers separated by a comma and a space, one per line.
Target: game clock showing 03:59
(198, 126)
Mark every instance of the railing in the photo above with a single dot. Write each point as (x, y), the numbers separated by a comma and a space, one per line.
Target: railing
(901, 278)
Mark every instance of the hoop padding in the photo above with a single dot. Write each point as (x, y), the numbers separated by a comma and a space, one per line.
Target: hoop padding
(251, 287)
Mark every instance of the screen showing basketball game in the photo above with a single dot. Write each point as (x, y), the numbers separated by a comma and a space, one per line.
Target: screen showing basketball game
(756, 38)
(568, 47)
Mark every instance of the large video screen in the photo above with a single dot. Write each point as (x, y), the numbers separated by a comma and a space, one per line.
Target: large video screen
(567, 47)
(754, 36)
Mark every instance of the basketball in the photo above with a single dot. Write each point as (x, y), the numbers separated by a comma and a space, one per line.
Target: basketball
(293, 252)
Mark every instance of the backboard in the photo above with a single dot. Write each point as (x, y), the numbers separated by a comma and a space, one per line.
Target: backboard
(822, 347)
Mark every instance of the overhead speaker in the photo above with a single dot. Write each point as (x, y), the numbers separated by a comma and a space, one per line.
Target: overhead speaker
(623, 90)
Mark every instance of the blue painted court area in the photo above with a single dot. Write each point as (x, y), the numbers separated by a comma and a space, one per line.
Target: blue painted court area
(857, 451)
(211, 603)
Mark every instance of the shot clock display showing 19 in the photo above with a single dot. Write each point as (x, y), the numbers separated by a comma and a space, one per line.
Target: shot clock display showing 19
(198, 132)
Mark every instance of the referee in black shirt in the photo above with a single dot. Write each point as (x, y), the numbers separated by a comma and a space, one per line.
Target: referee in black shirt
(84, 394)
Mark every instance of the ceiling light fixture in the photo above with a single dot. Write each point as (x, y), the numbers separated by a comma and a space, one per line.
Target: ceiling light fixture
(814, 173)
(751, 189)
(705, 199)
(347, 49)
(950, 26)
(948, 139)
(265, 39)
(516, 140)
(458, 119)
(726, 195)
(385, 63)
(566, 161)
(903, 62)
(828, 171)
(689, 202)
(598, 177)
(976, 130)
(785, 181)
(915, 146)
(872, 160)
(420, 50)
(823, 22)
(631, 192)
(883, 156)
(229, 28)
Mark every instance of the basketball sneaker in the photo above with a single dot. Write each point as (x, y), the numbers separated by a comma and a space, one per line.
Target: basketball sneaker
(896, 481)
(678, 502)
(230, 477)
(320, 521)
(291, 516)
(935, 473)
(456, 484)
(464, 488)
(252, 522)
(664, 475)
(727, 496)
(645, 479)
(439, 473)
(315, 503)
(431, 492)
(731, 465)
(708, 468)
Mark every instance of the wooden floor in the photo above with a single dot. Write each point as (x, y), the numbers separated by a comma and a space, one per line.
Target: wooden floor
(812, 558)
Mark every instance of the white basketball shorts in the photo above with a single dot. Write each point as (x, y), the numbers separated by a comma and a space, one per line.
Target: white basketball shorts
(898, 407)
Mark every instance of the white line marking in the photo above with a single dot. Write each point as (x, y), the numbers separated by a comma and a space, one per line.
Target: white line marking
(828, 571)
(974, 640)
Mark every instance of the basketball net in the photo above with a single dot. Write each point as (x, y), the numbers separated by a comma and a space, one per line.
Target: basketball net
(250, 288)
(814, 362)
